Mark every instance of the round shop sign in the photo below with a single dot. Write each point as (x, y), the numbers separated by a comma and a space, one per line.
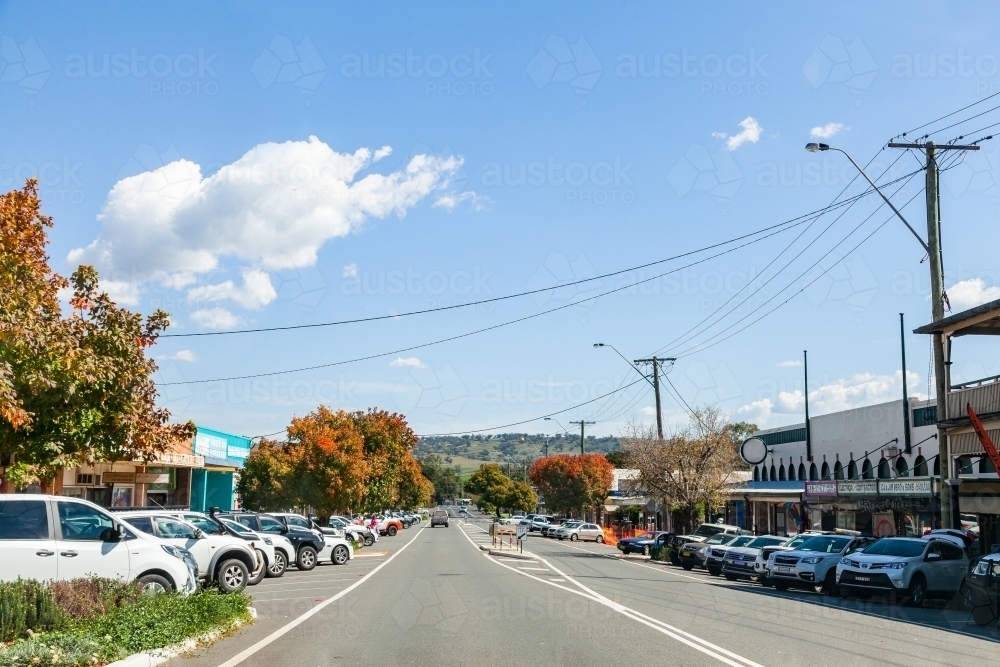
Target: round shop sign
(753, 451)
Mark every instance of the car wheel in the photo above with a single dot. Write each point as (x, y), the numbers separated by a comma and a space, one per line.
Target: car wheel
(391, 531)
(258, 574)
(369, 540)
(962, 599)
(232, 576)
(731, 577)
(714, 571)
(306, 558)
(445, 525)
(829, 586)
(845, 592)
(340, 555)
(780, 586)
(687, 567)
(764, 581)
(917, 592)
(982, 615)
(645, 550)
(151, 584)
(277, 568)
(574, 537)
(600, 539)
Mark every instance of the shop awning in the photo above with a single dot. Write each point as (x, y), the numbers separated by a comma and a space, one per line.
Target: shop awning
(982, 320)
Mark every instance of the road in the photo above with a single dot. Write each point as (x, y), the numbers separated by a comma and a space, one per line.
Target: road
(432, 597)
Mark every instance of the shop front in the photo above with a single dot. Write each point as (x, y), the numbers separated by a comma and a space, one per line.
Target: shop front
(165, 481)
(879, 507)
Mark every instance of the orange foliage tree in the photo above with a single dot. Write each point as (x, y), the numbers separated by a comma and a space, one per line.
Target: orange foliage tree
(570, 483)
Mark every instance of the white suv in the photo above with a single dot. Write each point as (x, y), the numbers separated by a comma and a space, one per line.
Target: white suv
(221, 558)
(813, 564)
(57, 538)
(268, 547)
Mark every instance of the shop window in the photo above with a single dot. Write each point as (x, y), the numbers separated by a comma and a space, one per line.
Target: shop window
(838, 470)
(883, 469)
(985, 465)
(901, 469)
(774, 473)
(781, 473)
(791, 472)
(965, 465)
(826, 470)
(756, 474)
(763, 473)
(813, 473)
(852, 470)
(802, 471)
(925, 416)
(920, 467)
(866, 470)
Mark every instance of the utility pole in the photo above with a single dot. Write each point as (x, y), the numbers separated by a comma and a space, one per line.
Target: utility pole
(906, 400)
(582, 424)
(805, 394)
(655, 361)
(938, 299)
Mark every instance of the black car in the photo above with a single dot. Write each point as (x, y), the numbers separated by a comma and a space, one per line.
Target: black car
(307, 543)
(641, 544)
(983, 581)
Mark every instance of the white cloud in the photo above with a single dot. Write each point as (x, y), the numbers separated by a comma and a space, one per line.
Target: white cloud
(215, 318)
(751, 132)
(971, 293)
(450, 201)
(273, 208)
(648, 411)
(843, 394)
(791, 363)
(255, 293)
(827, 131)
(181, 355)
(407, 362)
(385, 151)
(350, 272)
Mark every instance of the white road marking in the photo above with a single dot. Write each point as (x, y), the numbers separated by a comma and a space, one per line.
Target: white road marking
(539, 569)
(695, 642)
(277, 634)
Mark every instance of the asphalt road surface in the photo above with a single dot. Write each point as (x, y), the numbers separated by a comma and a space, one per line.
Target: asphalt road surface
(431, 597)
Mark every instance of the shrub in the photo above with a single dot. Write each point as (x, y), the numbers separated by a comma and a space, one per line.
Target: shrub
(27, 605)
(658, 553)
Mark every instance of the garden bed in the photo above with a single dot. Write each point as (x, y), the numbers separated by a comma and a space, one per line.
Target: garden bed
(98, 621)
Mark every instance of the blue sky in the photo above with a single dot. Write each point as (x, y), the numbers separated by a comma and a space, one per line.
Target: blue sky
(229, 165)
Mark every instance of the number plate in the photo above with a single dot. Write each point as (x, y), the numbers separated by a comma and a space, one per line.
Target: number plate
(863, 578)
(782, 568)
(686, 554)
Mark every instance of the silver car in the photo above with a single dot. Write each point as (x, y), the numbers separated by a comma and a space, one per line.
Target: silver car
(910, 569)
(580, 531)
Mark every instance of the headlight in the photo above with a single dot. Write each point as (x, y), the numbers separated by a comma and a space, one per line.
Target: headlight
(183, 554)
(843, 561)
(894, 566)
(982, 568)
(268, 541)
(811, 560)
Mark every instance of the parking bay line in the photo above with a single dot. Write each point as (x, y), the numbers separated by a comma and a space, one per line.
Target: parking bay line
(277, 634)
(695, 642)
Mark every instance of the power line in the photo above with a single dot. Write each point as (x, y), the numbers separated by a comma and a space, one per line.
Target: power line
(948, 115)
(484, 329)
(787, 223)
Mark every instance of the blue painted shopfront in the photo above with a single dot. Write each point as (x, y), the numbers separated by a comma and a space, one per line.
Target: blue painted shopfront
(215, 484)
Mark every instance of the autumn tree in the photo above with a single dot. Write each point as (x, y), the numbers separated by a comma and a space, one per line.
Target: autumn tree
(388, 451)
(692, 467)
(329, 470)
(572, 483)
(74, 388)
(265, 484)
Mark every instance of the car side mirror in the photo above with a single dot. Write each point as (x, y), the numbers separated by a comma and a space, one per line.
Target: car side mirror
(933, 557)
(111, 535)
(199, 534)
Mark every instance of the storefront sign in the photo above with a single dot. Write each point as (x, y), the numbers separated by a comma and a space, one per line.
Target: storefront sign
(152, 478)
(815, 489)
(896, 504)
(181, 460)
(904, 487)
(118, 478)
(864, 487)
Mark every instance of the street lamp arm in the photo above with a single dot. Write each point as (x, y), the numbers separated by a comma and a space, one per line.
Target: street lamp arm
(625, 359)
(824, 147)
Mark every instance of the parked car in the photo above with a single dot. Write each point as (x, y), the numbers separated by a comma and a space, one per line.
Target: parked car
(694, 554)
(358, 533)
(536, 522)
(550, 529)
(293, 520)
(715, 554)
(56, 538)
(700, 534)
(388, 525)
(788, 544)
(910, 569)
(270, 546)
(738, 559)
(581, 531)
(306, 542)
(813, 564)
(641, 544)
(221, 558)
(983, 581)
(439, 518)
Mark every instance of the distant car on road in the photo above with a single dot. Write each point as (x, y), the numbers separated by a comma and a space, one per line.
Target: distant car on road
(439, 518)
(549, 530)
(640, 544)
(581, 531)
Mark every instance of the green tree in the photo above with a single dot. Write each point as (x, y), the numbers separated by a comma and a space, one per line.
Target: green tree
(265, 483)
(520, 496)
(490, 487)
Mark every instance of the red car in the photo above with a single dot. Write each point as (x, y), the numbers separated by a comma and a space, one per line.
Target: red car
(389, 526)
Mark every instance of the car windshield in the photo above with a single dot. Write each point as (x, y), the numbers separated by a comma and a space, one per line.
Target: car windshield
(647, 536)
(825, 543)
(720, 539)
(206, 525)
(572, 524)
(237, 527)
(758, 542)
(796, 541)
(707, 530)
(902, 548)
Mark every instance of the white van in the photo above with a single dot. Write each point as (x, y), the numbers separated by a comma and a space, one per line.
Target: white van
(54, 538)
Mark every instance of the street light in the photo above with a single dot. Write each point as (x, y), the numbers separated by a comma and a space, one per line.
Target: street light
(817, 148)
